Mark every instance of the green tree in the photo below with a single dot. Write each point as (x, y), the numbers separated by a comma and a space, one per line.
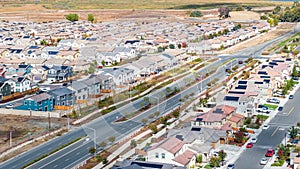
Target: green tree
(239, 136)
(92, 150)
(172, 46)
(43, 42)
(153, 127)
(199, 158)
(222, 155)
(196, 14)
(111, 139)
(102, 144)
(179, 46)
(91, 18)
(293, 132)
(276, 10)
(144, 121)
(72, 17)
(295, 72)
(133, 144)
(214, 161)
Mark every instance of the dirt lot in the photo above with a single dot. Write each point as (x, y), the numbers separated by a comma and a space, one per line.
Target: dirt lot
(281, 30)
(25, 128)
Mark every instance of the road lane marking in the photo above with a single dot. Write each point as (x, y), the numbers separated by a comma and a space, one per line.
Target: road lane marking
(291, 111)
(275, 131)
(78, 153)
(55, 166)
(67, 159)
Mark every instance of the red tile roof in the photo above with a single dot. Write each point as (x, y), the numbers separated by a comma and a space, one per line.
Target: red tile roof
(172, 145)
(236, 118)
(185, 157)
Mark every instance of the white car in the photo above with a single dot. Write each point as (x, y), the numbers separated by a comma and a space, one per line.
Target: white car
(264, 161)
(253, 140)
(265, 127)
(9, 106)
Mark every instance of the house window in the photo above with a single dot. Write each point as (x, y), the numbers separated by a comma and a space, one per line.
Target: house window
(163, 155)
(156, 155)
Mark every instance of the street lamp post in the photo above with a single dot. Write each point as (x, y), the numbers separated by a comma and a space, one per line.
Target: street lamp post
(157, 99)
(94, 138)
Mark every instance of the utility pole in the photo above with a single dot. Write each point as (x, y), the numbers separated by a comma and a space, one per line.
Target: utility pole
(10, 138)
(49, 121)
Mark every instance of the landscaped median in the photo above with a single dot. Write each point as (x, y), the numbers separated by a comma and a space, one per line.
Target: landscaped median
(52, 152)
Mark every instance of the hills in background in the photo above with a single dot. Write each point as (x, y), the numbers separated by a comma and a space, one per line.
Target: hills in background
(128, 4)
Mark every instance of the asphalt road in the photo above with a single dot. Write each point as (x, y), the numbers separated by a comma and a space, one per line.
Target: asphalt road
(273, 136)
(106, 127)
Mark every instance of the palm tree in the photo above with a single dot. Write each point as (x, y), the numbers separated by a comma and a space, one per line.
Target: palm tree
(293, 132)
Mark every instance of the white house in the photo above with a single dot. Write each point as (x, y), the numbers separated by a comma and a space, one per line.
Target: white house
(19, 84)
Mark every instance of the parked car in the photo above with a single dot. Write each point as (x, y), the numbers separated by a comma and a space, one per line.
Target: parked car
(253, 140)
(264, 161)
(265, 127)
(230, 166)
(291, 96)
(273, 100)
(240, 62)
(280, 108)
(9, 106)
(270, 152)
(295, 141)
(249, 145)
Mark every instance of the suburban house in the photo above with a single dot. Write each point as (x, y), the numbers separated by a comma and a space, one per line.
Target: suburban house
(93, 82)
(64, 98)
(5, 88)
(214, 118)
(200, 140)
(40, 102)
(166, 151)
(81, 91)
(59, 74)
(121, 76)
(19, 84)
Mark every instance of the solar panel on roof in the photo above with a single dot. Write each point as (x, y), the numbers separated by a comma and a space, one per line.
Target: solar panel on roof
(148, 165)
(196, 129)
(243, 87)
(242, 82)
(236, 92)
(265, 77)
(231, 98)
(258, 82)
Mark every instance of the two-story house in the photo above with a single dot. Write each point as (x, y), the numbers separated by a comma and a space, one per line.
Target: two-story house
(81, 91)
(214, 118)
(40, 102)
(59, 74)
(19, 84)
(64, 98)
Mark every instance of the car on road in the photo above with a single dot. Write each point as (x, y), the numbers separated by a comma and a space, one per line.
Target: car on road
(240, 62)
(230, 166)
(9, 106)
(249, 145)
(291, 96)
(253, 140)
(265, 127)
(263, 161)
(270, 152)
(280, 108)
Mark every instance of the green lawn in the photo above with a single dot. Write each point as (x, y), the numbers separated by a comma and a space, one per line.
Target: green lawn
(271, 106)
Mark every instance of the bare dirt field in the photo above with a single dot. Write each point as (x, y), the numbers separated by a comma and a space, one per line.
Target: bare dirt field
(279, 31)
(25, 128)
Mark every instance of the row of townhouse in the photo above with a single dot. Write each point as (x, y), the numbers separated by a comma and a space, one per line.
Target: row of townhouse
(57, 97)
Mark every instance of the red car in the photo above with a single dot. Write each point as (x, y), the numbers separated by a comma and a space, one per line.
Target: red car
(270, 152)
(249, 145)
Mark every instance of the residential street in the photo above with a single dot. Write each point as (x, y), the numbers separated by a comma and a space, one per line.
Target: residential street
(273, 136)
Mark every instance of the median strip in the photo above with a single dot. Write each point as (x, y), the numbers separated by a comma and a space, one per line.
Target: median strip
(52, 152)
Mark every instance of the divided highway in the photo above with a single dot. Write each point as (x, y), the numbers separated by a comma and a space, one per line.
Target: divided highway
(105, 126)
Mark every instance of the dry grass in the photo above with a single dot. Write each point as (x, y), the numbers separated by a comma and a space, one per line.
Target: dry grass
(281, 30)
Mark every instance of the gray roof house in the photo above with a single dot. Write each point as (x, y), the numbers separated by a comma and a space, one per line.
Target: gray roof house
(81, 91)
(64, 98)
